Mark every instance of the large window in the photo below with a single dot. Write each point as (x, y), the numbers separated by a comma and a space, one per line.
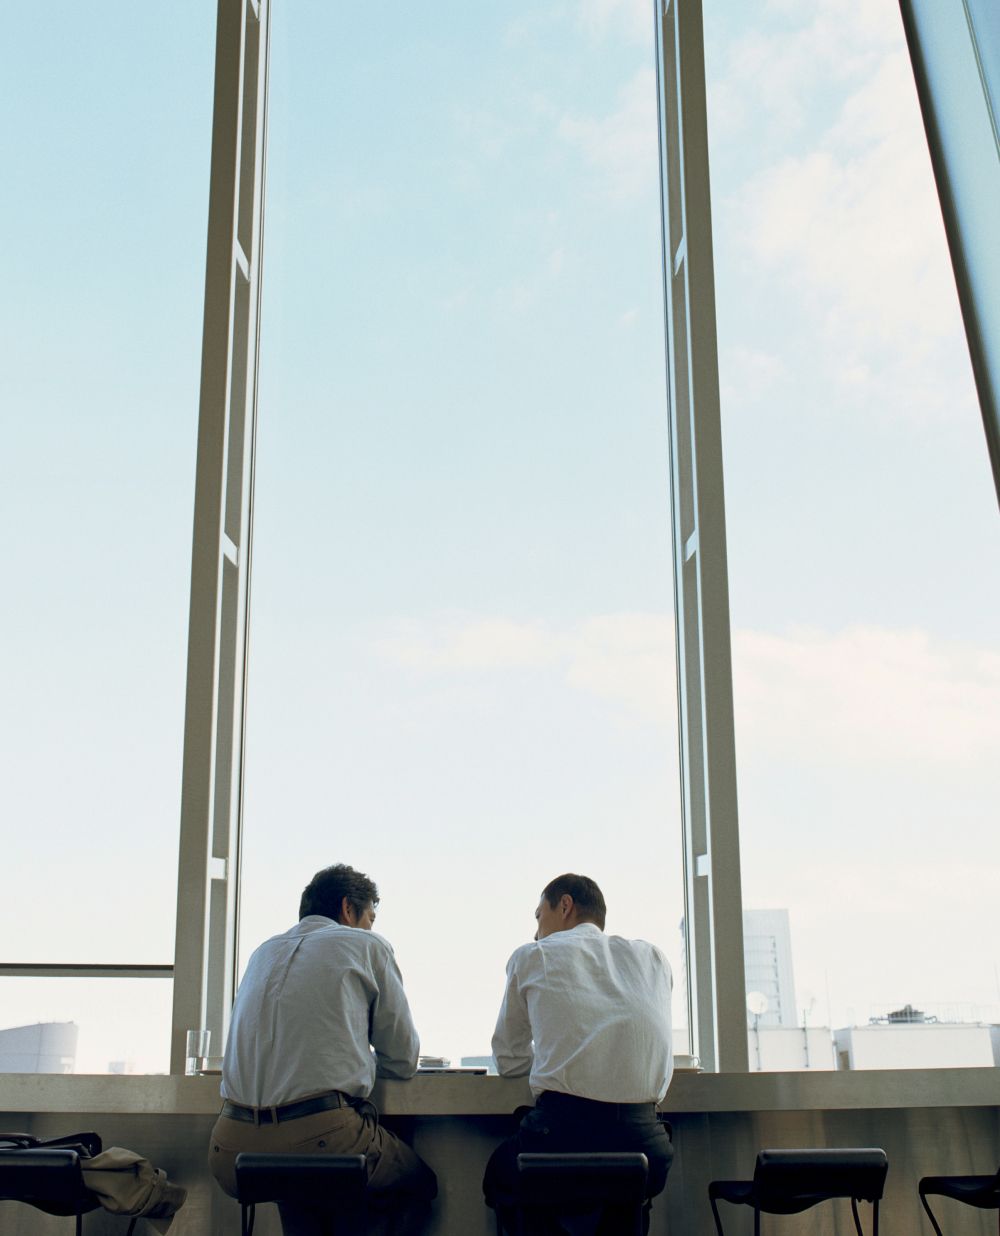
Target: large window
(461, 667)
(105, 147)
(862, 532)
(461, 661)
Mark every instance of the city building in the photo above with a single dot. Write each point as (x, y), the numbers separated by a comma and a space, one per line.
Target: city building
(909, 1039)
(46, 1047)
(787, 1049)
(767, 953)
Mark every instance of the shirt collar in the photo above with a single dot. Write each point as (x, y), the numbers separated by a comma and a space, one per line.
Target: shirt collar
(314, 922)
(586, 928)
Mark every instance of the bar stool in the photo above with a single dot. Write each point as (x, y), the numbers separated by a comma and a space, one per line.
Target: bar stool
(588, 1193)
(327, 1181)
(983, 1192)
(786, 1182)
(49, 1180)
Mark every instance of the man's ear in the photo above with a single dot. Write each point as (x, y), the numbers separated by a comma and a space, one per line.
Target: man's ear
(346, 917)
(566, 905)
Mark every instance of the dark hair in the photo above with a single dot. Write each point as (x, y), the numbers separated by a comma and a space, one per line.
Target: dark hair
(587, 897)
(325, 892)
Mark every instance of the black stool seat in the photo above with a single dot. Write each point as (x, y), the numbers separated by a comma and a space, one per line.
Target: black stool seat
(786, 1182)
(330, 1181)
(586, 1191)
(49, 1180)
(982, 1192)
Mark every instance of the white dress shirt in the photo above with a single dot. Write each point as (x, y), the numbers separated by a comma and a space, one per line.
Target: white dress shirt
(598, 1010)
(311, 1002)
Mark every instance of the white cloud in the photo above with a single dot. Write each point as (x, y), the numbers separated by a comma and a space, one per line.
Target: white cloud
(469, 644)
(858, 696)
(855, 222)
(841, 236)
(749, 374)
(626, 659)
(763, 79)
(864, 696)
(633, 19)
(621, 147)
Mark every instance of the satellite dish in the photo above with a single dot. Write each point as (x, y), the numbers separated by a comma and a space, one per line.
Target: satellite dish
(757, 1003)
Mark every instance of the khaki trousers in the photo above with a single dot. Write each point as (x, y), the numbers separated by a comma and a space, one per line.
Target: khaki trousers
(400, 1184)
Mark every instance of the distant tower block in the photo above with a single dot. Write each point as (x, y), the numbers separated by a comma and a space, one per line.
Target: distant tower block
(46, 1047)
(767, 964)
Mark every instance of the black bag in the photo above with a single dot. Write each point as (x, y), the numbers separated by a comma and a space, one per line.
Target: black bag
(86, 1146)
(121, 1181)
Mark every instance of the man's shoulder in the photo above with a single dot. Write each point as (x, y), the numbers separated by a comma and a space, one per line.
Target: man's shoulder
(646, 954)
(378, 944)
(643, 947)
(523, 954)
(368, 943)
(560, 944)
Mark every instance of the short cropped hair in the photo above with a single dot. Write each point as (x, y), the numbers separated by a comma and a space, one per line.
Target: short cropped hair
(587, 897)
(325, 892)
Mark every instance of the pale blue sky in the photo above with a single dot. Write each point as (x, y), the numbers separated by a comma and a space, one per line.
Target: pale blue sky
(461, 673)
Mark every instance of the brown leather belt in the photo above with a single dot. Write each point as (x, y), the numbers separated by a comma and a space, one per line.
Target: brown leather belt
(576, 1106)
(287, 1111)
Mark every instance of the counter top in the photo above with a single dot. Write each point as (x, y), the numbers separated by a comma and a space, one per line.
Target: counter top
(451, 1094)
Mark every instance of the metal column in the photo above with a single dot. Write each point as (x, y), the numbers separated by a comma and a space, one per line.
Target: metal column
(955, 50)
(713, 911)
(208, 874)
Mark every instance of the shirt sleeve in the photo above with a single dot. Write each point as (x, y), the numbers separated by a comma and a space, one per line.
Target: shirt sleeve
(512, 1048)
(391, 1031)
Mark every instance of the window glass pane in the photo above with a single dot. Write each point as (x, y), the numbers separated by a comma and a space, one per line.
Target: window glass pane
(62, 1025)
(863, 547)
(461, 674)
(105, 150)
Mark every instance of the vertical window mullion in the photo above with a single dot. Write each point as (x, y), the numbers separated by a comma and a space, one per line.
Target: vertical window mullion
(211, 795)
(712, 896)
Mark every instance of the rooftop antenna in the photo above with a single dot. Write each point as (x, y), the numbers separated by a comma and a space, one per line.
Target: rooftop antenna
(758, 1004)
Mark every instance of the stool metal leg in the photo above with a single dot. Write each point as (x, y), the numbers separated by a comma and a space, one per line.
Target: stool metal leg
(930, 1214)
(718, 1221)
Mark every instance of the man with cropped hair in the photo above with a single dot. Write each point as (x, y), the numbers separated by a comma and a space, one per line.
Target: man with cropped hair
(314, 1004)
(587, 1017)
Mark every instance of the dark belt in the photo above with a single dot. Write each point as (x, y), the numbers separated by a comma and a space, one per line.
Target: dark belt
(575, 1105)
(287, 1111)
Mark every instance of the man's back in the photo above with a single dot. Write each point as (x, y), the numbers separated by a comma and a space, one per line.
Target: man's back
(598, 1009)
(589, 1016)
(305, 1009)
(320, 1010)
